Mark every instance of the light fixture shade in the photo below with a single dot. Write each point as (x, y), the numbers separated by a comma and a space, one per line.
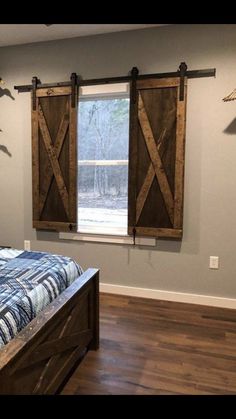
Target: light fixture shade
(231, 96)
(1, 80)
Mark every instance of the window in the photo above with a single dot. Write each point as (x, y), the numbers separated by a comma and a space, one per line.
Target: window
(121, 171)
(103, 142)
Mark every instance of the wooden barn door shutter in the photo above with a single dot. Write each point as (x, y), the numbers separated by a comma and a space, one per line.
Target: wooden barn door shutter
(156, 161)
(54, 116)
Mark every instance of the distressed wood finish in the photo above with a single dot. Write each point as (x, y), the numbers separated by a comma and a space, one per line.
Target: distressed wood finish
(57, 148)
(54, 139)
(73, 160)
(133, 156)
(40, 357)
(157, 232)
(53, 91)
(53, 225)
(154, 347)
(35, 160)
(179, 160)
(156, 156)
(53, 160)
(157, 83)
(142, 196)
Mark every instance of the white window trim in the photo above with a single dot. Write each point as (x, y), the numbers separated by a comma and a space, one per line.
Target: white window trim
(108, 238)
(103, 162)
(118, 235)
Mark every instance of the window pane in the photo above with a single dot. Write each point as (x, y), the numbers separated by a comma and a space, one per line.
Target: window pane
(103, 131)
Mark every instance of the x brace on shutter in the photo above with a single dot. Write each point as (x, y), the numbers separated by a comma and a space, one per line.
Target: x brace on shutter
(54, 161)
(57, 150)
(157, 167)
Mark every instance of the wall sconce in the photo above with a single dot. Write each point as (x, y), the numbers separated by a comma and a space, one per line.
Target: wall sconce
(1, 80)
(231, 96)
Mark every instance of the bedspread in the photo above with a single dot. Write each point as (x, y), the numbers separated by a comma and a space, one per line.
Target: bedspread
(29, 281)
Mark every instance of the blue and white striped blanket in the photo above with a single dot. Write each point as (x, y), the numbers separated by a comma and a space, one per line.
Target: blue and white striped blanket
(29, 281)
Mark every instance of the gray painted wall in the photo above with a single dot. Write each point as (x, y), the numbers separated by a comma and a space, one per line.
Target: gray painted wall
(210, 174)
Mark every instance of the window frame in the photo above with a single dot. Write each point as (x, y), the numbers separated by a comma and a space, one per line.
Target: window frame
(107, 91)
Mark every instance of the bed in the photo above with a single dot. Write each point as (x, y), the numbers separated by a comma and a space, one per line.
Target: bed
(43, 353)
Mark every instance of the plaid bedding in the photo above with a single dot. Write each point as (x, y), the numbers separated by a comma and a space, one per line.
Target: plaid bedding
(29, 281)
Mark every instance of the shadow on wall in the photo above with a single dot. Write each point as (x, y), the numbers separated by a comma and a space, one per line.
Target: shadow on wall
(6, 92)
(5, 150)
(231, 128)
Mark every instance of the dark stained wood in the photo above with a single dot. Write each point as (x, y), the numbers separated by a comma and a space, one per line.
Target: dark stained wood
(174, 233)
(73, 159)
(53, 225)
(155, 158)
(157, 140)
(39, 358)
(54, 159)
(54, 91)
(157, 83)
(48, 172)
(179, 160)
(153, 347)
(55, 346)
(143, 193)
(133, 162)
(54, 109)
(94, 315)
(35, 159)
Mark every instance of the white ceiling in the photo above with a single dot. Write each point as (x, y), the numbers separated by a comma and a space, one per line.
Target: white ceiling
(24, 34)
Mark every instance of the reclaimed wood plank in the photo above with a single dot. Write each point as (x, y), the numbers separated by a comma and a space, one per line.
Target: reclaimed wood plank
(53, 160)
(156, 159)
(179, 161)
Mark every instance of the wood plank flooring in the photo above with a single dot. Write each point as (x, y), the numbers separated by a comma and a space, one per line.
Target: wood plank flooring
(155, 347)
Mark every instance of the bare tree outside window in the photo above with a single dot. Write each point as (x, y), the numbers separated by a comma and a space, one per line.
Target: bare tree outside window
(103, 132)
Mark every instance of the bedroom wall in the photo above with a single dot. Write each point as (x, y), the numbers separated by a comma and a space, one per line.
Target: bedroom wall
(210, 173)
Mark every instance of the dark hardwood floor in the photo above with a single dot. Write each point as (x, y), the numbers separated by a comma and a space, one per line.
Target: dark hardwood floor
(159, 347)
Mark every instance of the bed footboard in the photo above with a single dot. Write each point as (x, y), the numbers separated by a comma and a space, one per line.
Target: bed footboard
(41, 356)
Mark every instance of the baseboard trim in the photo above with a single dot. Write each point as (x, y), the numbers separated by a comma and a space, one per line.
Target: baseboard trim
(206, 300)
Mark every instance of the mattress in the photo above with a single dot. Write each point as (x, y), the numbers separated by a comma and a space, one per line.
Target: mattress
(29, 281)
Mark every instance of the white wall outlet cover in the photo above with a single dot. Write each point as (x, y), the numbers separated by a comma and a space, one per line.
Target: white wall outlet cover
(27, 244)
(214, 262)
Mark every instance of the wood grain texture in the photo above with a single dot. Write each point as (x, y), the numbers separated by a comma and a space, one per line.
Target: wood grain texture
(35, 159)
(133, 162)
(53, 91)
(153, 347)
(143, 193)
(156, 165)
(40, 357)
(48, 172)
(53, 160)
(157, 232)
(155, 158)
(73, 160)
(179, 160)
(53, 225)
(157, 83)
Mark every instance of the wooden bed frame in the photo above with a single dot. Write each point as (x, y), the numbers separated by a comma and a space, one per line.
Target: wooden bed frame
(40, 357)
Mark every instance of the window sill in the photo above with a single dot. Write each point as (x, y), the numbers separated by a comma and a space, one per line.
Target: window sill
(105, 238)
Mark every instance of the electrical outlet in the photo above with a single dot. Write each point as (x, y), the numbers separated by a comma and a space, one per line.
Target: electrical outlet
(27, 244)
(214, 262)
